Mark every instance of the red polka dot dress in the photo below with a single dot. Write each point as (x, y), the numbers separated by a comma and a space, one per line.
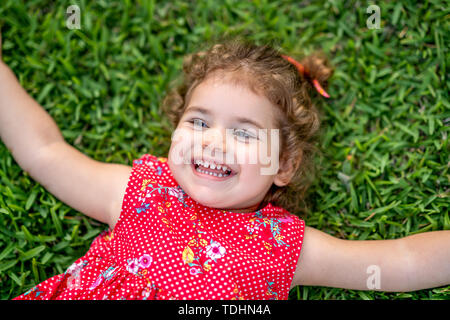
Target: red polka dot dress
(168, 246)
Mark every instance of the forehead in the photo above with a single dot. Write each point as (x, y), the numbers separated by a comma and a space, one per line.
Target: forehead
(226, 97)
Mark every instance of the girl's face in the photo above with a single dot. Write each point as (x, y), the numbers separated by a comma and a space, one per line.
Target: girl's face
(222, 127)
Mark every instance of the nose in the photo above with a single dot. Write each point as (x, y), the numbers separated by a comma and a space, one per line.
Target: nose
(213, 140)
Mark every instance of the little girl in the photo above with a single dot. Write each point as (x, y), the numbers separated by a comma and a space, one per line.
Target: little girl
(207, 222)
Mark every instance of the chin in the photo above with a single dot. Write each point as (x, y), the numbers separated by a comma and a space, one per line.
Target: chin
(207, 198)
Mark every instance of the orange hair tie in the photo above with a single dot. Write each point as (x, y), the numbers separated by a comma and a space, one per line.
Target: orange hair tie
(304, 72)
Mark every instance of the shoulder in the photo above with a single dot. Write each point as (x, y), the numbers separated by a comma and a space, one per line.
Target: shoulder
(144, 169)
(150, 161)
(285, 217)
(150, 166)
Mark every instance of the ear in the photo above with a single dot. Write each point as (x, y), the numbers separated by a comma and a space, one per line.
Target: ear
(286, 171)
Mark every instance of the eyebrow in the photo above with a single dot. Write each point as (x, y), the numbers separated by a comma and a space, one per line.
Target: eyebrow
(238, 119)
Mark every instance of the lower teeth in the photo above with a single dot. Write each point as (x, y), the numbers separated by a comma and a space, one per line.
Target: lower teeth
(220, 175)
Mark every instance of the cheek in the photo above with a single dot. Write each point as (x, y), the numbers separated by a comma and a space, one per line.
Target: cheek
(242, 154)
(254, 173)
(180, 148)
(253, 182)
(269, 153)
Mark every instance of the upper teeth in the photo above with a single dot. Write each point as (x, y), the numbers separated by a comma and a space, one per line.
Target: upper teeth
(206, 164)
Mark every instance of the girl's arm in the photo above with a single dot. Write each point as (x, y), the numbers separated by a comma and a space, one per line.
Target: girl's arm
(91, 187)
(412, 263)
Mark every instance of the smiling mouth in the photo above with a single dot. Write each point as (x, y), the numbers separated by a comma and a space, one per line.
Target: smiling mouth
(205, 168)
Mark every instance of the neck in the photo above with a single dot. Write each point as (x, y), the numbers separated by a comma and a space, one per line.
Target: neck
(245, 210)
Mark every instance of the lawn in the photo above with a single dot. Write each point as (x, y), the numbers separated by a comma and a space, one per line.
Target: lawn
(383, 170)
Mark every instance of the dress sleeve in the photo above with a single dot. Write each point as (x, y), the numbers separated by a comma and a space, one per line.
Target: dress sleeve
(149, 165)
(148, 160)
(144, 169)
(297, 233)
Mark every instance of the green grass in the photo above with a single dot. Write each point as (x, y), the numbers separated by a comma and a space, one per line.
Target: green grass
(384, 168)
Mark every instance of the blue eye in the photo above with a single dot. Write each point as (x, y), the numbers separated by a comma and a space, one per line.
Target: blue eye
(198, 124)
(244, 134)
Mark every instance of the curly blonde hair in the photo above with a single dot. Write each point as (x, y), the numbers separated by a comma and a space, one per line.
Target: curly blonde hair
(262, 69)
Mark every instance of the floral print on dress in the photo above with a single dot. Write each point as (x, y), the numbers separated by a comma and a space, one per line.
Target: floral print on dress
(205, 255)
(108, 274)
(153, 292)
(199, 254)
(168, 221)
(149, 189)
(75, 268)
(73, 272)
(150, 291)
(143, 208)
(151, 164)
(237, 295)
(136, 265)
(34, 292)
(215, 250)
(269, 230)
(272, 290)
